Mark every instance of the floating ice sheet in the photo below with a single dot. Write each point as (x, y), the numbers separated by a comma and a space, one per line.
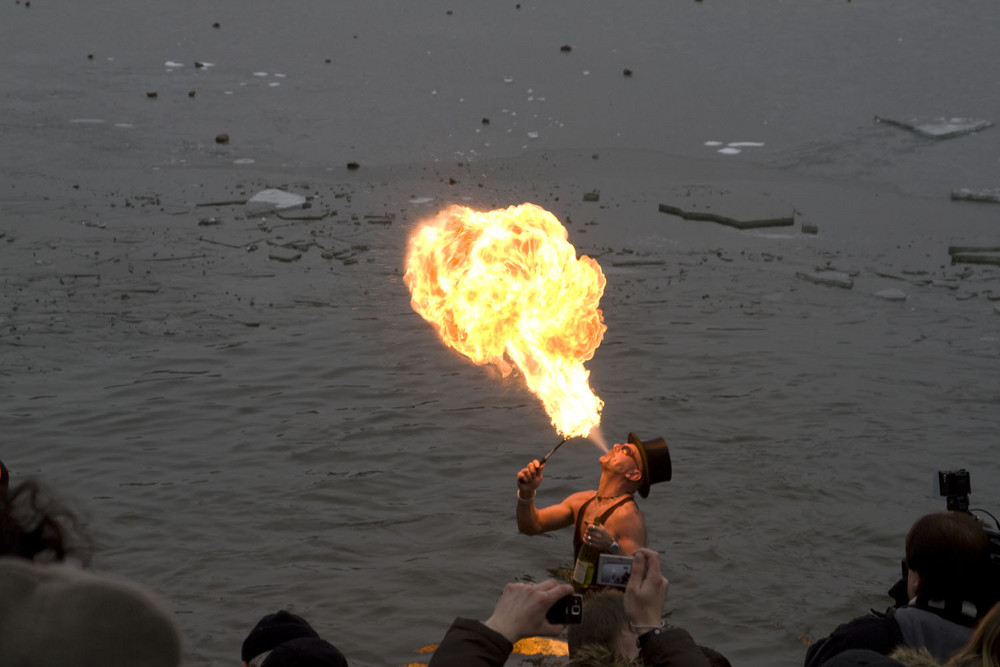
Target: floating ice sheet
(726, 207)
(266, 201)
(938, 128)
(986, 194)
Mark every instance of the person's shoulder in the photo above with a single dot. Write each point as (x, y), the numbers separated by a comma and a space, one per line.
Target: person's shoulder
(580, 497)
(874, 631)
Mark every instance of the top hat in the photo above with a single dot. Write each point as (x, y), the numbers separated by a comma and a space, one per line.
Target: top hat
(656, 465)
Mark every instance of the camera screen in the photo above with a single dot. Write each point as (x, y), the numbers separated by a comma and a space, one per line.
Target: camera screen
(613, 570)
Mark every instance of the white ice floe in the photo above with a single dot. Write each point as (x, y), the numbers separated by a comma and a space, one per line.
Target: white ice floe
(891, 294)
(273, 200)
(734, 147)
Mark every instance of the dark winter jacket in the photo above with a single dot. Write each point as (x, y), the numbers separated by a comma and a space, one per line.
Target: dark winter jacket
(469, 643)
(918, 627)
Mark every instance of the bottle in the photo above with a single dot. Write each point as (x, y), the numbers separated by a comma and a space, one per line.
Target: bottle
(586, 564)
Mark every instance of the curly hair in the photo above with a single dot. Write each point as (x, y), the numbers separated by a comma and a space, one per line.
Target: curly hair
(36, 526)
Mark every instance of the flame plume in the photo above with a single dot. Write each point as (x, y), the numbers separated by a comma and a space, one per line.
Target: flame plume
(505, 288)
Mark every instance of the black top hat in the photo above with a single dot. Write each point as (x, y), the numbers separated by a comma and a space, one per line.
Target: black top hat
(656, 465)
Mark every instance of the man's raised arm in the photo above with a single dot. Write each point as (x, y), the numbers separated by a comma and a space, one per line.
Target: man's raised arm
(530, 519)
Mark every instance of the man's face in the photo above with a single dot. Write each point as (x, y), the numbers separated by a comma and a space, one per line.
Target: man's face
(622, 459)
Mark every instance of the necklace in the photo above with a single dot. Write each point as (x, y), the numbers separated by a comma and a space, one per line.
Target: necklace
(601, 499)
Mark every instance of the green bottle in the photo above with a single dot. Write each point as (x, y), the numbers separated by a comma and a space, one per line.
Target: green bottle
(586, 564)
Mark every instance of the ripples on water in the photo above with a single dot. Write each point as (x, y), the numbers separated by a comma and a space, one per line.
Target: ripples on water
(248, 434)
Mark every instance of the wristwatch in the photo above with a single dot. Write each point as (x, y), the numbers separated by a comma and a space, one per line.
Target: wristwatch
(614, 548)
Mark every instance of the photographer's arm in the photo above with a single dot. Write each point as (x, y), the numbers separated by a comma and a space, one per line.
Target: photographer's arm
(644, 597)
(519, 613)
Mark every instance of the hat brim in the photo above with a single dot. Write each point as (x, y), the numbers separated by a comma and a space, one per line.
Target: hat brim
(644, 483)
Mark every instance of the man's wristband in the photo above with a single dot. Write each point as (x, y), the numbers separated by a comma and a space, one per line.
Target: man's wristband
(525, 500)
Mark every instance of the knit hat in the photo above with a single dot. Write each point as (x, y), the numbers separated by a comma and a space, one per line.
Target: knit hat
(275, 629)
(52, 615)
(656, 466)
(305, 652)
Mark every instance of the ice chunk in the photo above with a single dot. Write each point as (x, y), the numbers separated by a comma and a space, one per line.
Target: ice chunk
(938, 128)
(266, 201)
(987, 194)
(891, 294)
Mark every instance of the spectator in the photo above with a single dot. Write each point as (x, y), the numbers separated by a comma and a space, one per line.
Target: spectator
(57, 615)
(983, 648)
(269, 632)
(607, 636)
(305, 652)
(36, 526)
(521, 613)
(946, 570)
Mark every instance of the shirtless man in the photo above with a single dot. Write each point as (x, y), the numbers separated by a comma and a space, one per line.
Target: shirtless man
(625, 469)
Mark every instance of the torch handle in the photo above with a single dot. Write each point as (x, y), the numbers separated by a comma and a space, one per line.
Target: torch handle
(546, 457)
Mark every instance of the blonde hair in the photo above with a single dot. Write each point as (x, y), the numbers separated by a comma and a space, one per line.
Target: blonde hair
(983, 647)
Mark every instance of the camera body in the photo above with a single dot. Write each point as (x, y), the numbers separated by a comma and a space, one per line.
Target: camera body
(567, 609)
(956, 485)
(613, 570)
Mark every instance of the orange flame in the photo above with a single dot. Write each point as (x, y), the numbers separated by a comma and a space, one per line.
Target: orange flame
(505, 287)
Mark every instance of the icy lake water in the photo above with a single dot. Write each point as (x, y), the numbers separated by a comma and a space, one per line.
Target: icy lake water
(252, 417)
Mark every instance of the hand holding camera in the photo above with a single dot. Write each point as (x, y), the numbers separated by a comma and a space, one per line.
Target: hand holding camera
(522, 609)
(646, 591)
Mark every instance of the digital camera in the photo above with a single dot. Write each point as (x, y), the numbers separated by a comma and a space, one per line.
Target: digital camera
(613, 570)
(956, 486)
(567, 609)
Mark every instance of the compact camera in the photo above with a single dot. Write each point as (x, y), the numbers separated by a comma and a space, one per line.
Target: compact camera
(568, 609)
(613, 570)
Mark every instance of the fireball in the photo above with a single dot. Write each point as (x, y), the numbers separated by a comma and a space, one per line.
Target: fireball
(506, 288)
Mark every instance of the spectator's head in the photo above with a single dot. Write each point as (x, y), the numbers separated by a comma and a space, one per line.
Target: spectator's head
(947, 554)
(604, 623)
(272, 630)
(58, 615)
(36, 526)
(983, 648)
(598, 655)
(305, 652)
